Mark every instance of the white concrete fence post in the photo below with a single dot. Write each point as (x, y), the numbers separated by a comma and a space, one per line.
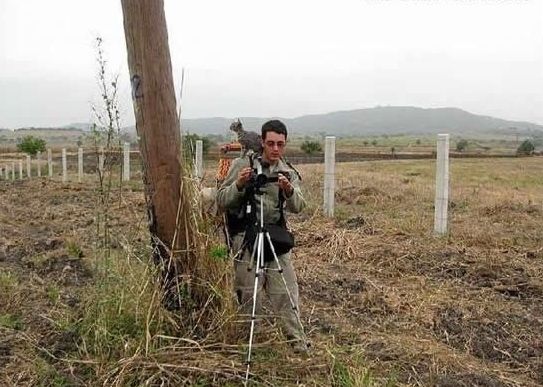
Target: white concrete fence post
(329, 175)
(50, 162)
(79, 164)
(442, 185)
(64, 166)
(20, 169)
(199, 164)
(126, 162)
(28, 167)
(13, 171)
(38, 161)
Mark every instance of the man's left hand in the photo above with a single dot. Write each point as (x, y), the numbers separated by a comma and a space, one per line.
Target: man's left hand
(285, 185)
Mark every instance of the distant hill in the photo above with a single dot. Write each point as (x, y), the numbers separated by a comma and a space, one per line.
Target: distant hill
(85, 126)
(378, 121)
(388, 120)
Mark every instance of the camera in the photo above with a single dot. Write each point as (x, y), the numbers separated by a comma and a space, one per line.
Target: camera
(259, 179)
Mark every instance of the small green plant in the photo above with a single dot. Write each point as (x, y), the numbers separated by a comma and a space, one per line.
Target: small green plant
(526, 148)
(36, 261)
(73, 249)
(219, 252)
(348, 369)
(8, 281)
(346, 376)
(374, 143)
(53, 294)
(11, 321)
(49, 376)
(266, 355)
(311, 147)
(31, 145)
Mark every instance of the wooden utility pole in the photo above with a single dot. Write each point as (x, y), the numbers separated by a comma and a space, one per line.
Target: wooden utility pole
(157, 123)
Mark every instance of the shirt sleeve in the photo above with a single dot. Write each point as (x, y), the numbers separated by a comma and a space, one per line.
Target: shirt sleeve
(228, 195)
(295, 202)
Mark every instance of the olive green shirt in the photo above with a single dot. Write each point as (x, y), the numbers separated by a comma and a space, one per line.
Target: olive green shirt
(231, 199)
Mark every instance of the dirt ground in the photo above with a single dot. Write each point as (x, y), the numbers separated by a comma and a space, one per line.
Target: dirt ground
(376, 285)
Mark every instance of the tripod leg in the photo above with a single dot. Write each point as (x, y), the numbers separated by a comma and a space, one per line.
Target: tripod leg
(253, 254)
(258, 273)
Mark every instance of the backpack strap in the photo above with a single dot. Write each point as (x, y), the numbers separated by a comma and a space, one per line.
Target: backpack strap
(288, 163)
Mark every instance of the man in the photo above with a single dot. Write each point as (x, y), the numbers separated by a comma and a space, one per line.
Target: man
(232, 197)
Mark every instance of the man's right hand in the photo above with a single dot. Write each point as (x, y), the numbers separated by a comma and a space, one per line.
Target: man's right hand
(243, 177)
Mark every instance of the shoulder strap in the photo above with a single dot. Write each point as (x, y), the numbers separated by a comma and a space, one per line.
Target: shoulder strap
(291, 167)
(282, 221)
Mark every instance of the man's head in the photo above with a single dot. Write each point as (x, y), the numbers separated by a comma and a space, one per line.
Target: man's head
(274, 140)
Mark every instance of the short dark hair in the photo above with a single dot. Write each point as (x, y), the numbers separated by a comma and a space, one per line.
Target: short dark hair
(274, 126)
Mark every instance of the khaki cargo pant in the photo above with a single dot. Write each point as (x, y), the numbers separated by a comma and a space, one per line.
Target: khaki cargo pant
(274, 287)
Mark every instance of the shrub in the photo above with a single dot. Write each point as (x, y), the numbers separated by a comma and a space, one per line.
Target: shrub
(311, 147)
(189, 144)
(31, 145)
(461, 145)
(526, 148)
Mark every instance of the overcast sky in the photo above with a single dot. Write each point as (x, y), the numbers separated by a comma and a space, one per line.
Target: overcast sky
(282, 58)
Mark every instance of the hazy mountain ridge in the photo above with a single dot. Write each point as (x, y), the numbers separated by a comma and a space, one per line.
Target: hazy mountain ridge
(360, 122)
(377, 121)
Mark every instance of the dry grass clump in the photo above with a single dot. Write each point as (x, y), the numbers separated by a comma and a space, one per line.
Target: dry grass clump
(130, 326)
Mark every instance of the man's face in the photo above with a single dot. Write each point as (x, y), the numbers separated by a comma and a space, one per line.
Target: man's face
(274, 146)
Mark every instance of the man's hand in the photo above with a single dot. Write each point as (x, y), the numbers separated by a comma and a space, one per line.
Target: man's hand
(243, 177)
(285, 185)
